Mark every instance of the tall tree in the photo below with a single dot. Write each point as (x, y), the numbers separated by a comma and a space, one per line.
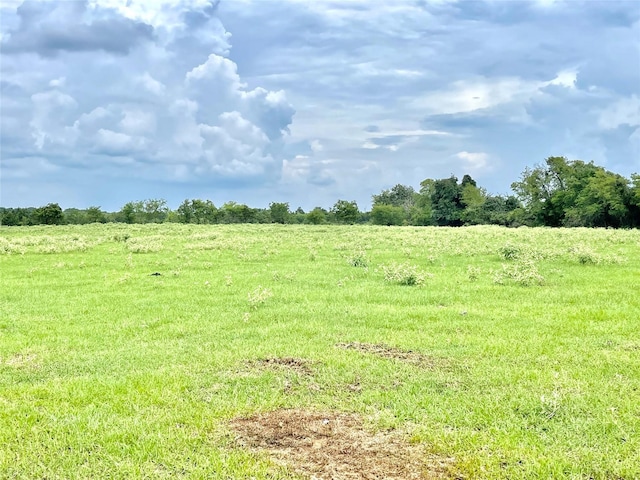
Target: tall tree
(279, 212)
(50, 214)
(446, 202)
(345, 212)
(574, 193)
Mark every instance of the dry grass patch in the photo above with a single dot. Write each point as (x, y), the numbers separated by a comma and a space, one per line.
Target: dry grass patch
(336, 446)
(298, 365)
(385, 351)
(23, 360)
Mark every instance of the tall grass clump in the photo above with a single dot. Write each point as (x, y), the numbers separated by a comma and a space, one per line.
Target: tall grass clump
(404, 274)
(524, 272)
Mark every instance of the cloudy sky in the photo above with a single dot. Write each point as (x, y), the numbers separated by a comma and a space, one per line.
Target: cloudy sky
(307, 101)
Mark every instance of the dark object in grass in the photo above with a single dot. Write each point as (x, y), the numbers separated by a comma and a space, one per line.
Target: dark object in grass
(155, 274)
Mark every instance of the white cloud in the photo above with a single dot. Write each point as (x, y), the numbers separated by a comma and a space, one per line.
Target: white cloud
(474, 161)
(151, 84)
(625, 111)
(385, 93)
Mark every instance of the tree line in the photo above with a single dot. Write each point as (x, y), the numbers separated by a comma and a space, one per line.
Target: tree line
(556, 193)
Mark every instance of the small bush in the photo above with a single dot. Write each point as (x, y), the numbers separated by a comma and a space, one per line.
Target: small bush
(473, 273)
(511, 251)
(404, 274)
(359, 259)
(585, 256)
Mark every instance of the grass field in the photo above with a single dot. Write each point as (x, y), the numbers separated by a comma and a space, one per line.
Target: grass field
(494, 353)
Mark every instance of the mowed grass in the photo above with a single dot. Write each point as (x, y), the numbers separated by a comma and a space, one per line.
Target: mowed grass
(106, 371)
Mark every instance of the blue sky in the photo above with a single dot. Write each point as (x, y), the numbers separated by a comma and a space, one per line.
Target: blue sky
(307, 102)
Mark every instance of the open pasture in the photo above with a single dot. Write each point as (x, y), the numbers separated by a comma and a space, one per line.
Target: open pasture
(145, 351)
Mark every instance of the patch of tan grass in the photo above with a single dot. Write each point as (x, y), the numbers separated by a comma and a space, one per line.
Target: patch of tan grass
(336, 446)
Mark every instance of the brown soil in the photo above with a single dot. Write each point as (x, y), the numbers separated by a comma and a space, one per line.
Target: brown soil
(297, 365)
(385, 351)
(336, 446)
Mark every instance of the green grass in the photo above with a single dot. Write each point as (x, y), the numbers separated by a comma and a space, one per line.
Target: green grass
(108, 372)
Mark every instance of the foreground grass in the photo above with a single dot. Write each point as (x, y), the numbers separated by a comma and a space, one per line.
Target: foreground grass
(106, 371)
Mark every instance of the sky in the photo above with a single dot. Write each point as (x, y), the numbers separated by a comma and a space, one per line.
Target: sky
(306, 102)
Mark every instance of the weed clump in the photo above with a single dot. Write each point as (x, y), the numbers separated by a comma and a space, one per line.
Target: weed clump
(585, 256)
(523, 272)
(359, 259)
(259, 296)
(404, 274)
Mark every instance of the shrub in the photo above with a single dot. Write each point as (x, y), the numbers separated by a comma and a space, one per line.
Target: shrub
(585, 256)
(510, 251)
(359, 259)
(473, 273)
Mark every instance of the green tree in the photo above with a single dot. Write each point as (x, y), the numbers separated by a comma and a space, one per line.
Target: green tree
(50, 214)
(603, 202)
(446, 202)
(95, 215)
(399, 196)
(17, 216)
(345, 211)
(422, 212)
(75, 216)
(130, 213)
(574, 193)
(473, 200)
(155, 210)
(317, 216)
(382, 214)
(197, 211)
(279, 212)
(232, 212)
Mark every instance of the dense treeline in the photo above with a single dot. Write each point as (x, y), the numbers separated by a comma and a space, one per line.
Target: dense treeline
(557, 193)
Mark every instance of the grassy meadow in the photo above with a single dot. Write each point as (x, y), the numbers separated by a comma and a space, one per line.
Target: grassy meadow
(506, 353)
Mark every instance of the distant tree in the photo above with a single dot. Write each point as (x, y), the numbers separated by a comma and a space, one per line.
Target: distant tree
(197, 211)
(232, 212)
(473, 200)
(95, 215)
(399, 196)
(298, 216)
(446, 202)
(387, 215)
(634, 210)
(74, 216)
(605, 201)
(422, 213)
(130, 213)
(155, 210)
(50, 214)
(17, 216)
(317, 216)
(345, 211)
(279, 212)
(574, 193)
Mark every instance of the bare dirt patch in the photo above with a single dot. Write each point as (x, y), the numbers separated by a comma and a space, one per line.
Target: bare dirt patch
(298, 365)
(385, 351)
(336, 446)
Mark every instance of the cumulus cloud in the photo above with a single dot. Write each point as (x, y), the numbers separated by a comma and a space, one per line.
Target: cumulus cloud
(385, 93)
(48, 28)
(474, 161)
(168, 111)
